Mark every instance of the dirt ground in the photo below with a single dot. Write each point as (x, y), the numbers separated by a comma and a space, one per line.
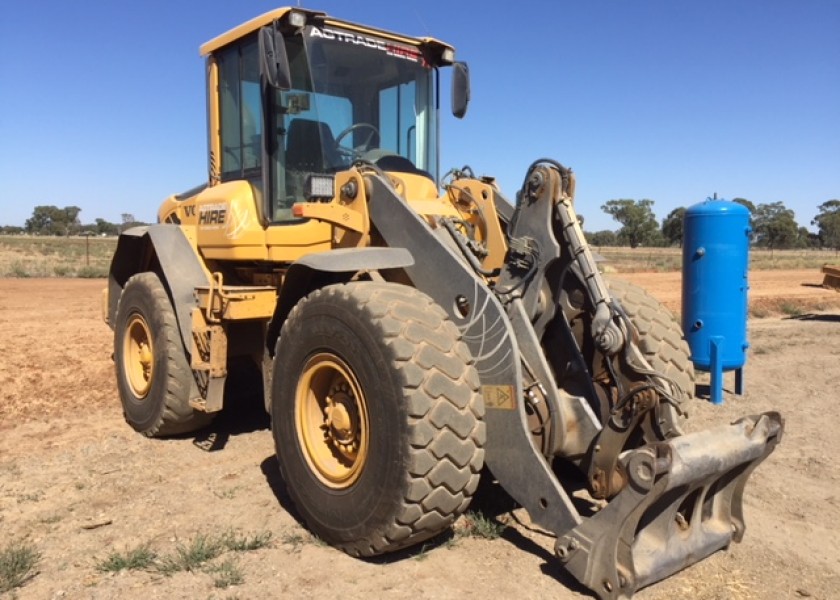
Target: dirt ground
(77, 483)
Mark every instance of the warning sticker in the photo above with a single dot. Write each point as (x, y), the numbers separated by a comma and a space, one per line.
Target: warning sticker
(499, 396)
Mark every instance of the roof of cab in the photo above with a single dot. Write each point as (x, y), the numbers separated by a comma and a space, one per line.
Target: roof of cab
(254, 24)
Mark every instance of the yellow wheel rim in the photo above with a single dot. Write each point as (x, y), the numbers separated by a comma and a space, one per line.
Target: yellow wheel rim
(138, 356)
(332, 421)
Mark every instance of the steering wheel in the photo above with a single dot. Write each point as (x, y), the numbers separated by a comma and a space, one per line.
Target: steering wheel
(363, 147)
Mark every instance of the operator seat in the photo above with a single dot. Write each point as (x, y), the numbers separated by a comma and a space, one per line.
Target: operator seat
(310, 147)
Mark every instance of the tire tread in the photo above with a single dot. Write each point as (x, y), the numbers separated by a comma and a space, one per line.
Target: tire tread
(444, 409)
(175, 416)
(660, 335)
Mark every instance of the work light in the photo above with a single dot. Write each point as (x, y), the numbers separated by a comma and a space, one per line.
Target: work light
(319, 187)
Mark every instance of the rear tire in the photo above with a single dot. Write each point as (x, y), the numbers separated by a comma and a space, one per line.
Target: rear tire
(153, 374)
(376, 416)
(661, 337)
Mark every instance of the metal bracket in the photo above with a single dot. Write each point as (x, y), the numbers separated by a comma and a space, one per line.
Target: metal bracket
(487, 330)
(208, 360)
(681, 504)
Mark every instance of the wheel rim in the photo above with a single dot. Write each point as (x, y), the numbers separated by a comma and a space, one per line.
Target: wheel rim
(138, 356)
(332, 421)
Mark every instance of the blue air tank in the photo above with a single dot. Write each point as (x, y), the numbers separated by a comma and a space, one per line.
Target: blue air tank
(716, 241)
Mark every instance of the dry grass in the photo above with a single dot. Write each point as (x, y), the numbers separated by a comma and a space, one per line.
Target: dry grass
(39, 256)
(791, 306)
(18, 564)
(193, 556)
(657, 260)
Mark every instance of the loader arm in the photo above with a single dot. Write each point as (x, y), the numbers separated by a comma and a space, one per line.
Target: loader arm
(489, 333)
(672, 499)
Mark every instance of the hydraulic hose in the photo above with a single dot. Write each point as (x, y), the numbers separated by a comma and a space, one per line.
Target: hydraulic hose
(608, 334)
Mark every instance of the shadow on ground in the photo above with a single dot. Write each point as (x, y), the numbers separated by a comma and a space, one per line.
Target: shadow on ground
(816, 317)
(490, 502)
(244, 410)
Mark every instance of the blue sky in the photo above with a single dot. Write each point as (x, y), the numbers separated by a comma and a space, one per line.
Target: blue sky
(102, 103)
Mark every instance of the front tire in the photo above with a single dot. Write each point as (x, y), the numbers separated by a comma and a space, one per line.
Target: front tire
(376, 416)
(153, 375)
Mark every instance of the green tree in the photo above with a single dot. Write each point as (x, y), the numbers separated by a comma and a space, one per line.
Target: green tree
(72, 224)
(45, 220)
(638, 222)
(602, 238)
(775, 226)
(806, 239)
(51, 220)
(828, 224)
(672, 226)
(103, 227)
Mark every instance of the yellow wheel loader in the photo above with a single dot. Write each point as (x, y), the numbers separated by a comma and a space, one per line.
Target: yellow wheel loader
(414, 332)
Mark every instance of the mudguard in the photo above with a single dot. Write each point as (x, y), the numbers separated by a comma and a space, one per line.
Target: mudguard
(166, 250)
(304, 274)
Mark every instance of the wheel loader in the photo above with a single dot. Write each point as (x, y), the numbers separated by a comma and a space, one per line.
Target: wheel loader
(415, 331)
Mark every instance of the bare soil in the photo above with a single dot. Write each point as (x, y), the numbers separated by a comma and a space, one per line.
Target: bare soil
(78, 483)
(773, 292)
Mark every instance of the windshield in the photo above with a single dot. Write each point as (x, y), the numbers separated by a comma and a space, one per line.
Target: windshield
(353, 97)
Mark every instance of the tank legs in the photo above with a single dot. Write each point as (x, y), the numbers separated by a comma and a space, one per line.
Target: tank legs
(716, 372)
(716, 369)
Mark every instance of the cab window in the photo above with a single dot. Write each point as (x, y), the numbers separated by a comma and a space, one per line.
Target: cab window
(240, 112)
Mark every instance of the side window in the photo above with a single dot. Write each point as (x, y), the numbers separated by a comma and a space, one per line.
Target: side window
(240, 111)
(397, 120)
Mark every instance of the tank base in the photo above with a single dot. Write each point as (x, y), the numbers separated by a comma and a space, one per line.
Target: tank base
(716, 370)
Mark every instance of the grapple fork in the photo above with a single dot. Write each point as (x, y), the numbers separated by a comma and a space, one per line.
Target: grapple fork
(683, 501)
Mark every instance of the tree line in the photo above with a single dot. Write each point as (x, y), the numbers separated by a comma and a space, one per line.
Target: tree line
(55, 221)
(774, 226)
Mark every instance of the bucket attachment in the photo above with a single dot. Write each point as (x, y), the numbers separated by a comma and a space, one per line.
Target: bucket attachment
(682, 502)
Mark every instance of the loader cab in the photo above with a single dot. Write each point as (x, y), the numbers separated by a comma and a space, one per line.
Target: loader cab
(294, 94)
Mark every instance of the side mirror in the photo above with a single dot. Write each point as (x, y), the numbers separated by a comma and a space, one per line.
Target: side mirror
(460, 89)
(274, 63)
